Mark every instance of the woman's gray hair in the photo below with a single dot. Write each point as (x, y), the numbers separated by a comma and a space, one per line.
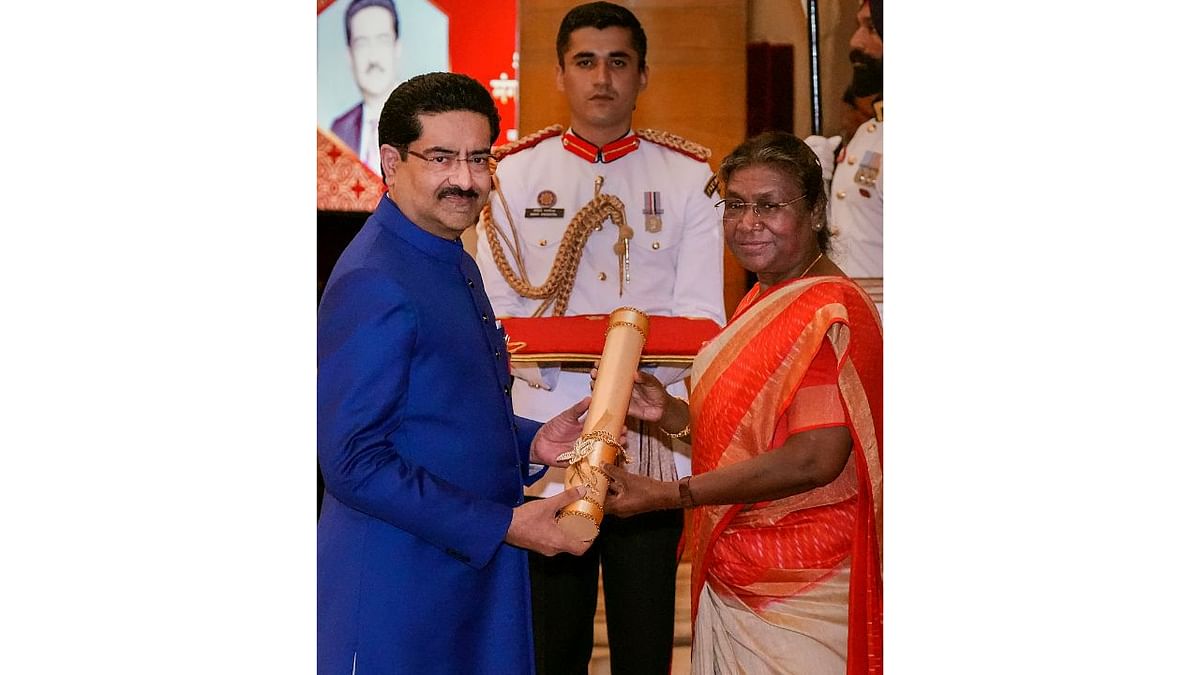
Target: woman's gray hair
(785, 152)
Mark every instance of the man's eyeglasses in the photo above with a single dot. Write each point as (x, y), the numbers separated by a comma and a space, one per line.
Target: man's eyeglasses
(734, 208)
(444, 162)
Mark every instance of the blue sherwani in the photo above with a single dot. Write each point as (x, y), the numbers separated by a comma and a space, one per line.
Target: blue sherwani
(423, 462)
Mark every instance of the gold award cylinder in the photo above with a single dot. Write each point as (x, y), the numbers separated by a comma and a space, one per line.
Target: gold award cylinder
(623, 343)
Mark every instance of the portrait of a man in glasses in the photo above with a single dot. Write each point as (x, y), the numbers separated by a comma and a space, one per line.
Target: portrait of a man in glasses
(363, 53)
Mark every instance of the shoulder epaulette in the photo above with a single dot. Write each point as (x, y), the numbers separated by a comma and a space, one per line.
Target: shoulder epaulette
(676, 143)
(527, 141)
(711, 187)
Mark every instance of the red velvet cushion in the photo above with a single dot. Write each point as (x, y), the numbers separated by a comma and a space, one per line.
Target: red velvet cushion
(581, 338)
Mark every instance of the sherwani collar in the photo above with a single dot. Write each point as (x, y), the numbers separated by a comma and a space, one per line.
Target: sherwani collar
(445, 250)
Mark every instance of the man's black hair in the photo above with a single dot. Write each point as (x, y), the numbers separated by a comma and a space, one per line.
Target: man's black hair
(601, 15)
(430, 94)
(356, 5)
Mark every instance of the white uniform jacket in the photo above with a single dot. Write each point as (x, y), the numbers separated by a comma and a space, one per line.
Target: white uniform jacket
(856, 205)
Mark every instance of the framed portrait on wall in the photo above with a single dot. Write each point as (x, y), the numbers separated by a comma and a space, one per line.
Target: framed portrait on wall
(365, 48)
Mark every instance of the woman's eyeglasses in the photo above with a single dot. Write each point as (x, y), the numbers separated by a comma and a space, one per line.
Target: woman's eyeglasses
(734, 208)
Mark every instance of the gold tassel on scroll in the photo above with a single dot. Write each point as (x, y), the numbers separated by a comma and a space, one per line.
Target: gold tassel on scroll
(623, 343)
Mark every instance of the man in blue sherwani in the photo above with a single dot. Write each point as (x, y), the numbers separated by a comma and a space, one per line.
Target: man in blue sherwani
(420, 560)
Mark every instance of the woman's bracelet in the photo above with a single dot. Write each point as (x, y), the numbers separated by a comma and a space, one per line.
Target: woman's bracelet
(685, 493)
(687, 428)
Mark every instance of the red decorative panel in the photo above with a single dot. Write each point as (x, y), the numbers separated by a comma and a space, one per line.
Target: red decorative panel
(343, 182)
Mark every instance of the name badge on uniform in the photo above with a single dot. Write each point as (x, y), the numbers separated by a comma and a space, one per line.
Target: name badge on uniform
(546, 199)
(868, 168)
(652, 209)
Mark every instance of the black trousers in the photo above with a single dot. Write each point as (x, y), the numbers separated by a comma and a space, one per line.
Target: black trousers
(638, 558)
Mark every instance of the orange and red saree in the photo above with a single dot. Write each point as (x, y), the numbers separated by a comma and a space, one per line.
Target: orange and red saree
(803, 572)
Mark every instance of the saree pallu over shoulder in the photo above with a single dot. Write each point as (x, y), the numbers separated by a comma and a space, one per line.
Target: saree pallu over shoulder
(744, 382)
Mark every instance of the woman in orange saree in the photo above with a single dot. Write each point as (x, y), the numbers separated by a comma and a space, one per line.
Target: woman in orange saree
(786, 420)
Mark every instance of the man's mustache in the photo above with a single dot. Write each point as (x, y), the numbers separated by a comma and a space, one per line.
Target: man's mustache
(858, 56)
(867, 76)
(374, 65)
(457, 192)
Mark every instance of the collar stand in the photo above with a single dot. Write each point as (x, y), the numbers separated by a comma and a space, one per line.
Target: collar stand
(605, 154)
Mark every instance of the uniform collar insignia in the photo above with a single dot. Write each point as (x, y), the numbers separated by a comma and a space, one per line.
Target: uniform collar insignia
(610, 152)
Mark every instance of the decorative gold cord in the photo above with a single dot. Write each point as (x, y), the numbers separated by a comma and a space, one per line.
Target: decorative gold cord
(561, 279)
(687, 429)
(583, 446)
(581, 514)
(677, 142)
(634, 326)
(592, 500)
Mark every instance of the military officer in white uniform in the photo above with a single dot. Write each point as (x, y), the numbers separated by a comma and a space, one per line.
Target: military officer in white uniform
(667, 260)
(671, 265)
(857, 205)
(856, 202)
